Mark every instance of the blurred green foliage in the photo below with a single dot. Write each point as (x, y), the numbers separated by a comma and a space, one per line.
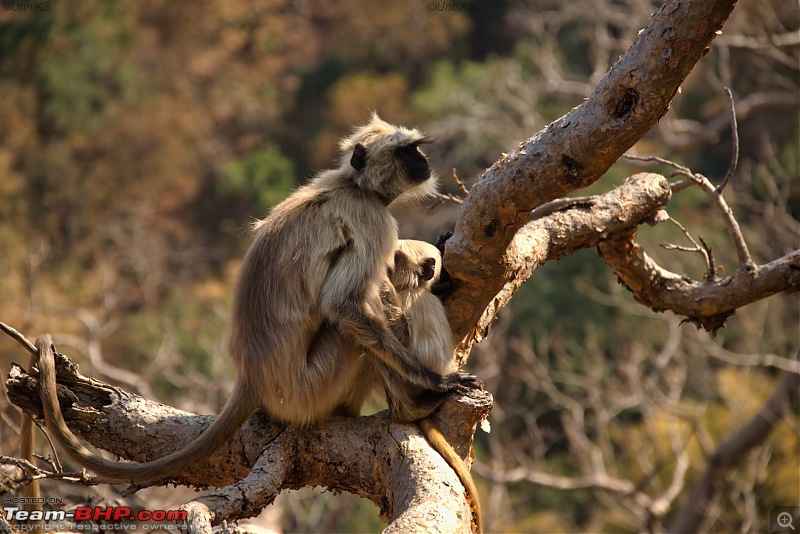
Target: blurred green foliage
(84, 72)
(264, 176)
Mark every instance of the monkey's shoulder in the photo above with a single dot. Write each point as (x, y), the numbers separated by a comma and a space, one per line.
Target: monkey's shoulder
(348, 210)
(320, 224)
(320, 197)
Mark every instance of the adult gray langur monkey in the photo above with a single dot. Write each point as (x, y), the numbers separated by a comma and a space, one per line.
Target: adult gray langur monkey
(319, 259)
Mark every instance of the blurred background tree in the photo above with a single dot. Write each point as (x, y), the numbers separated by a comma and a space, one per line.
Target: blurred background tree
(138, 139)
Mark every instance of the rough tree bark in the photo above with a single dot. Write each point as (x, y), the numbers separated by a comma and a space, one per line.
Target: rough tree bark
(495, 247)
(391, 465)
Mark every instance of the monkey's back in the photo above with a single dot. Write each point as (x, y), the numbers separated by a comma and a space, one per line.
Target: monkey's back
(304, 255)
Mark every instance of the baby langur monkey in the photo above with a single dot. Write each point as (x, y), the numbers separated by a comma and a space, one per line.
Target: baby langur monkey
(417, 267)
(311, 285)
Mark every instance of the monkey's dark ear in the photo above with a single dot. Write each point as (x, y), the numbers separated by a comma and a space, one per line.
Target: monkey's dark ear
(359, 158)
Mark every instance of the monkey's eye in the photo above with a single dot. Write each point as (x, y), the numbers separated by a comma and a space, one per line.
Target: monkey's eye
(427, 269)
(408, 151)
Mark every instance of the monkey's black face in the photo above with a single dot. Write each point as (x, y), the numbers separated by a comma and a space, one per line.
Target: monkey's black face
(427, 270)
(414, 163)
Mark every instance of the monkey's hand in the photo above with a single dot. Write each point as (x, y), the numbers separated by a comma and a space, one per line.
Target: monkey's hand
(459, 382)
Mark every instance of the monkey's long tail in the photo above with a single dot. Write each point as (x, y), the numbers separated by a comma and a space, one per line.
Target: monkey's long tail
(438, 442)
(235, 413)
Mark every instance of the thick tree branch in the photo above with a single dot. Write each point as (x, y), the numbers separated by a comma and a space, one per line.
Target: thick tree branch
(581, 226)
(392, 465)
(573, 152)
(709, 303)
(130, 426)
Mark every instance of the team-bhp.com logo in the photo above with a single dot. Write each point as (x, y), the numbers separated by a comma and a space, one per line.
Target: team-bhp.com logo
(93, 513)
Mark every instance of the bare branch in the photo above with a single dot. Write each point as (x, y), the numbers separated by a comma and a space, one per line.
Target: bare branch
(560, 204)
(708, 303)
(711, 273)
(682, 170)
(18, 337)
(788, 365)
(744, 41)
(704, 251)
(734, 142)
(710, 131)
(461, 185)
(34, 473)
(518, 474)
(715, 194)
(441, 198)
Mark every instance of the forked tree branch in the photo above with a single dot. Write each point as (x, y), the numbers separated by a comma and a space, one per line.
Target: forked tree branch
(572, 152)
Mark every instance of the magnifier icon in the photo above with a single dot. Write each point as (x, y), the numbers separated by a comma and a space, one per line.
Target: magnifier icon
(785, 520)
